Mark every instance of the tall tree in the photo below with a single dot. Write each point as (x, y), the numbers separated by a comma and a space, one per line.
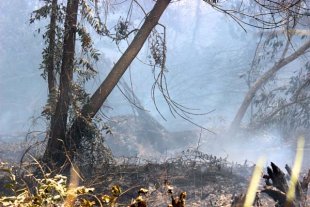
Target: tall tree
(262, 80)
(292, 14)
(58, 126)
(62, 143)
(51, 49)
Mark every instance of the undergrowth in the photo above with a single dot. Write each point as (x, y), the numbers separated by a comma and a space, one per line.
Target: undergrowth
(207, 180)
(55, 190)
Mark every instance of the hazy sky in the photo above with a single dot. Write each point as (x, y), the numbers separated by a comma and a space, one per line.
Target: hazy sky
(206, 52)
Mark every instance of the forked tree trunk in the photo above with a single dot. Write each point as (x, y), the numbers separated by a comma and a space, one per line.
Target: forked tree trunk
(75, 134)
(55, 147)
(261, 81)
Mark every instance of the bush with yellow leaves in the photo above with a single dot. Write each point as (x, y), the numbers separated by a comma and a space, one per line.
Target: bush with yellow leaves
(55, 191)
(48, 191)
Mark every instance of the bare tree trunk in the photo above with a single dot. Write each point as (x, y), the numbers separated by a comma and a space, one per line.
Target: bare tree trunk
(261, 81)
(98, 98)
(55, 148)
(51, 49)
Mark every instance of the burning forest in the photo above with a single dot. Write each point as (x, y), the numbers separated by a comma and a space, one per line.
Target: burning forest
(154, 103)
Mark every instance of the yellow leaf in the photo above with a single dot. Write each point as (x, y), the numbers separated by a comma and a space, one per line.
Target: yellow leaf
(116, 190)
(106, 199)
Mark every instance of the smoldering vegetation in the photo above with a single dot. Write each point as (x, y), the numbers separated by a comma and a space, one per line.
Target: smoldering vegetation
(195, 110)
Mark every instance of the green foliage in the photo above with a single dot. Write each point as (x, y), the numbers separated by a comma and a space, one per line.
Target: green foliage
(91, 15)
(50, 106)
(84, 63)
(42, 12)
(85, 68)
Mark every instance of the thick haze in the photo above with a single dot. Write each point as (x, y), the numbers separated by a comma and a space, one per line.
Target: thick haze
(207, 52)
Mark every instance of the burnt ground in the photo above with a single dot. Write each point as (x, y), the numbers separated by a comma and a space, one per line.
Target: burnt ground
(208, 180)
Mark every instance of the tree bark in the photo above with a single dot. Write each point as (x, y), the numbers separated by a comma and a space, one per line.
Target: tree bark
(98, 98)
(55, 151)
(261, 81)
(51, 49)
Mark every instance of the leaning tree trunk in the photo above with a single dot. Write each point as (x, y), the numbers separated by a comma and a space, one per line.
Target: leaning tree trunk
(55, 151)
(261, 81)
(98, 98)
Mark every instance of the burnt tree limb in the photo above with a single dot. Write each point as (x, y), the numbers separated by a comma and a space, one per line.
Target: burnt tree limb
(277, 187)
